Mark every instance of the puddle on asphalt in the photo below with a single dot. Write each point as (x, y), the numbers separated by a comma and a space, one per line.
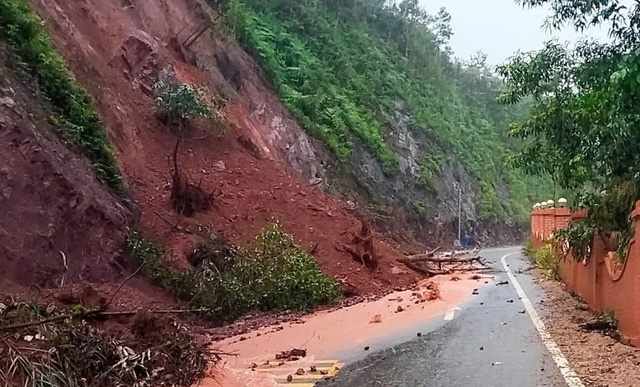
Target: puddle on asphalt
(327, 333)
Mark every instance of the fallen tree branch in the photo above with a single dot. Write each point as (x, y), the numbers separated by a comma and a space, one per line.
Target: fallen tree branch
(173, 225)
(424, 258)
(411, 265)
(65, 269)
(93, 313)
(121, 285)
(35, 323)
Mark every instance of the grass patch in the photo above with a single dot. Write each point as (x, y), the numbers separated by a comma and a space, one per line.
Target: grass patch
(75, 116)
(544, 259)
(271, 273)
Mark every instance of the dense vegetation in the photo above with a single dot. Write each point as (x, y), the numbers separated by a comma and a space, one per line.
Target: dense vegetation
(583, 127)
(344, 68)
(271, 273)
(77, 119)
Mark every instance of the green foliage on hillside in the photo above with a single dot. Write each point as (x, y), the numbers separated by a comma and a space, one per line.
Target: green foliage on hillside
(175, 105)
(76, 117)
(583, 127)
(271, 273)
(345, 68)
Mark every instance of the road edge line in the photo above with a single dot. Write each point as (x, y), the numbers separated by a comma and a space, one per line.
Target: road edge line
(569, 375)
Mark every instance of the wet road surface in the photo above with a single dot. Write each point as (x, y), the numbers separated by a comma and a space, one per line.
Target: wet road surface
(491, 342)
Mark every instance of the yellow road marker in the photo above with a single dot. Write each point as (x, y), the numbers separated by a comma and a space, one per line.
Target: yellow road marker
(323, 369)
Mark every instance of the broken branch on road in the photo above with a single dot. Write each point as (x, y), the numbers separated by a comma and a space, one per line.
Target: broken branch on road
(431, 264)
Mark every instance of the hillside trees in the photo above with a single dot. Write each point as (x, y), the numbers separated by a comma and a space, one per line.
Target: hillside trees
(343, 67)
(584, 125)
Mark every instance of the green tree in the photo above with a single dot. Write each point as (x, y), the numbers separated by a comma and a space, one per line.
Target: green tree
(583, 127)
(344, 68)
(175, 105)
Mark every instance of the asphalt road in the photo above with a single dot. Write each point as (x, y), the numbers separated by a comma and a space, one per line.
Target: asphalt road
(491, 342)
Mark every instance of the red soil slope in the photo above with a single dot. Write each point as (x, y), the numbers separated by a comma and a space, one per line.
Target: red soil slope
(251, 190)
(52, 209)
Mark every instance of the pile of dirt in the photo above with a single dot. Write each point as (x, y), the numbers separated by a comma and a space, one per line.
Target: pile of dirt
(253, 183)
(598, 359)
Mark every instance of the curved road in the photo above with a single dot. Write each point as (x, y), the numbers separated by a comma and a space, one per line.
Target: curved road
(491, 342)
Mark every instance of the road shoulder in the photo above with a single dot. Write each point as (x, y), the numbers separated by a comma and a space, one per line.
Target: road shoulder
(599, 360)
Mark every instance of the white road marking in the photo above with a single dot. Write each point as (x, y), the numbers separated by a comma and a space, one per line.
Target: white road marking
(569, 375)
(451, 313)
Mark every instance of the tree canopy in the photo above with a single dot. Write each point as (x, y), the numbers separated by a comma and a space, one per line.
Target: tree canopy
(584, 125)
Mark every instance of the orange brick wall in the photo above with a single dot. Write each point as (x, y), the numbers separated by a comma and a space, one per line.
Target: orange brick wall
(604, 283)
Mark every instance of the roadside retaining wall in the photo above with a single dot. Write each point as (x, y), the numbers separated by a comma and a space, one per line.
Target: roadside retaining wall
(602, 280)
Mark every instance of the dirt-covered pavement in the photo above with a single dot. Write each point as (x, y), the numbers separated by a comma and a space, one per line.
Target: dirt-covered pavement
(599, 360)
(493, 341)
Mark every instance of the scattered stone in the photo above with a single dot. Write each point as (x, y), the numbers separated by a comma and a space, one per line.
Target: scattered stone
(289, 378)
(8, 102)
(482, 303)
(242, 338)
(419, 334)
(219, 166)
(366, 348)
(292, 355)
(395, 270)
(475, 292)
(522, 311)
(510, 301)
(300, 371)
(324, 372)
(400, 309)
(482, 348)
(495, 363)
(502, 283)
(376, 319)
(313, 369)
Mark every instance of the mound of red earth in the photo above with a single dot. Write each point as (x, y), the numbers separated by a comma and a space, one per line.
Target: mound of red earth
(116, 51)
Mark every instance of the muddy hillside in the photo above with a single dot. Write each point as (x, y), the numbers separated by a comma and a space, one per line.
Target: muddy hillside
(133, 44)
(68, 224)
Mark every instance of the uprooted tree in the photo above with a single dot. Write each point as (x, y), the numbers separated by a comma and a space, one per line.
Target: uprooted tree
(187, 198)
(176, 105)
(361, 247)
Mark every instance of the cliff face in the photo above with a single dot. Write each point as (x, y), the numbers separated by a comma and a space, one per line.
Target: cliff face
(395, 123)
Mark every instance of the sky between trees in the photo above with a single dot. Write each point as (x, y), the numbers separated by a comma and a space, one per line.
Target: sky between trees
(499, 28)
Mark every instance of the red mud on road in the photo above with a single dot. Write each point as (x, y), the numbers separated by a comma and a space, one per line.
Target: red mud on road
(325, 333)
